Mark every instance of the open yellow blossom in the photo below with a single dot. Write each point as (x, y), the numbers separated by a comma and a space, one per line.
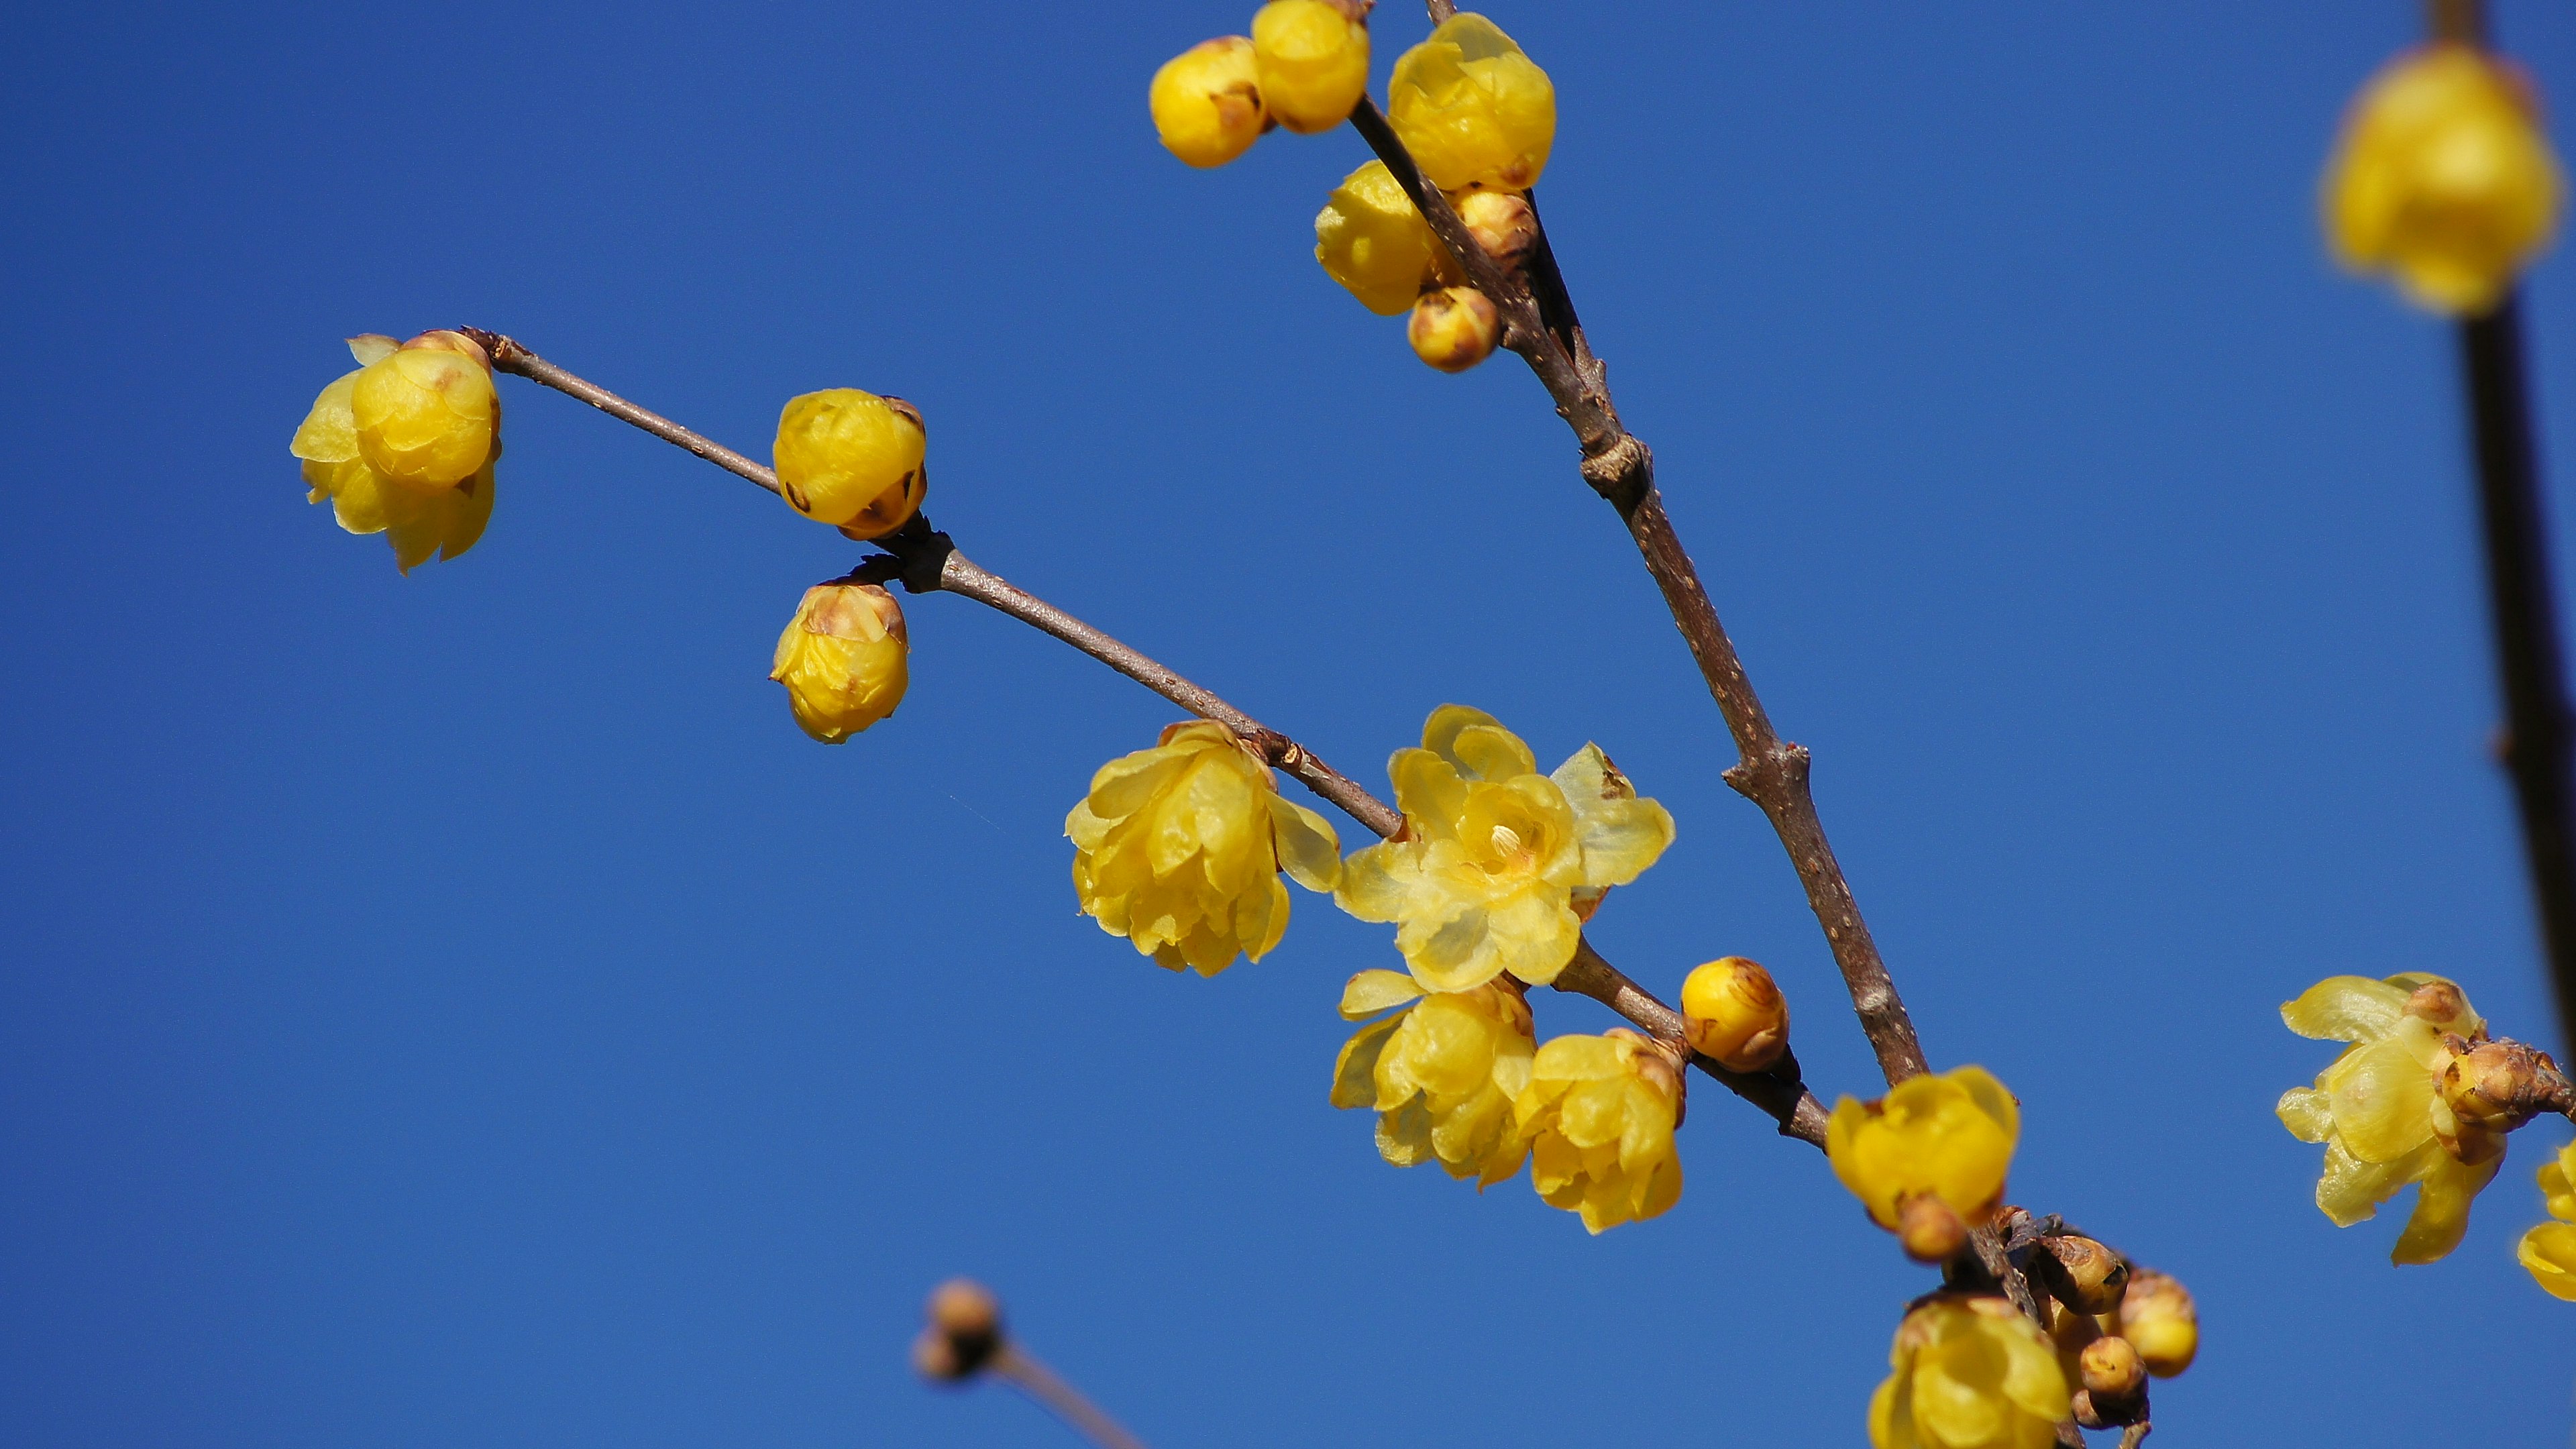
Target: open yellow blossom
(1371, 240)
(2378, 1107)
(1312, 61)
(1970, 1373)
(1945, 1139)
(1441, 1072)
(1179, 849)
(1207, 101)
(418, 521)
(852, 459)
(1473, 110)
(1598, 1118)
(1484, 878)
(845, 659)
(2549, 1251)
(2444, 178)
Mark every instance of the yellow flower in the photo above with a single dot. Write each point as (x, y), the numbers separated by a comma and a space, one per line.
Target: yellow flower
(1454, 328)
(425, 412)
(418, 521)
(1312, 62)
(1441, 1072)
(1597, 1118)
(1179, 848)
(2378, 1107)
(2444, 178)
(1472, 109)
(844, 658)
(1970, 1373)
(1733, 1011)
(2159, 1319)
(1946, 1138)
(1207, 101)
(1485, 877)
(1372, 241)
(2549, 1251)
(852, 459)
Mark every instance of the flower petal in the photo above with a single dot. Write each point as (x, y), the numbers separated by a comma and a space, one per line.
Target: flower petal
(1355, 1070)
(2305, 1111)
(1308, 849)
(1491, 752)
(1371, 992)
(2549, 1252)
(1621, 838)
(2345, 1008)
(2441, 1214)
(2382, 1099)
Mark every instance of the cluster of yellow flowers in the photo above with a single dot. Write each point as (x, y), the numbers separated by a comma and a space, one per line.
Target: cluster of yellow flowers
(405, 445)
(2443, 178)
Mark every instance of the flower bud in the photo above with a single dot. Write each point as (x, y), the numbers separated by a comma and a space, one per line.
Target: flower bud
(1503, 224)
(1473, 110)
(1207, 101)
(1311, 61)
(965, 1332)
(1454, 328)
(1370, 239)
(2441, 1003)
(2158, 1319)
(2083, 1274)
(2111, 1369)
(1929, 1229)
(852, 459)
(1732, 1010)
(2497, 1086)
(2444, 178)
(426, 413)
(844, 659)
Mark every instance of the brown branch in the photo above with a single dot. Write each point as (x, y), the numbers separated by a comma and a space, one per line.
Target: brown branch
(1059, 1398)
(926, 561)
(1770, 771)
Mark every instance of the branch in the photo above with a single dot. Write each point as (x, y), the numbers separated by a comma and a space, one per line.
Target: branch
(1059, 1398)
(1770, 771)
(927, 561)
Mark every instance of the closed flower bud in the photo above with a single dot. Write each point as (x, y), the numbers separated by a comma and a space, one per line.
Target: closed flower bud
(2161, 1322)
(1207, 101)
(426, 414)
(1733, 1011)
(1179, 849)
(1503, 224)
(1969, 1373)
(2496, 1086)
(419, 522)
(2083, 1274)
(852, 459)
(1950, 1135)
(2441, 1004)
(1473, 110)
(1929, 1229)
(1598, 1118)
(964, 1333)
(844, 659)
(1454, 328)
(2444, 178)
(2111, 1369)
(1371, 240)
(1441, 1072)
(1311, 60)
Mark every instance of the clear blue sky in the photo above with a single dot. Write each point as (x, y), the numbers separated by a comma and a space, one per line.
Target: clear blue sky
(463, 1010)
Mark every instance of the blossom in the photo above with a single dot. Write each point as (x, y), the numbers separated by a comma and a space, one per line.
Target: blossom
(429, 411)
(1453, 328)
(1732, 1011)
(1495, 858)
(2444, 178)
(1473, 110)
(1207, 101)
(844, 658)
(1179, 849)
(1597, 1118)
(1934, 1142)
(2549, 1250)
(1441, 1072)
(1370, 239)
(1311, 59)
(2378, 1107)
(852, 459)
(1970, 1373)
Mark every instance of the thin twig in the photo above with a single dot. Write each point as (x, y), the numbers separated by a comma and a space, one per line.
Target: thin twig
(1060, 1398)
(1770, 771)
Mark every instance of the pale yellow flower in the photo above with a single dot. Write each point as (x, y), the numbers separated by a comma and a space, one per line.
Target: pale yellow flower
(1207, 101)
(845, 659)
(1312, 62)
(1948, 1136)
(1441, 1072)
(1970, 1373)
(1179, 849)
(1598, 1118)
(2549, 1250)
(1473, 110)
(1494, 856)
(419, 521)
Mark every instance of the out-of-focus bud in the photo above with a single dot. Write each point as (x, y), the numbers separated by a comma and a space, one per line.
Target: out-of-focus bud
(2083, 1274)
(844, 659)
(1207, 101)
(1311, 61)
(2444, 178)
(1503, 224)
(2158, 1319)
(1473, 110)
(852, 459)
(2111, 1369)
(1929, 1229)
(965, 1332)
(2441, 1003)
(1733, 1011)
(1370, 239)
(1454, 328)
(426, 413)
(2496, 1086)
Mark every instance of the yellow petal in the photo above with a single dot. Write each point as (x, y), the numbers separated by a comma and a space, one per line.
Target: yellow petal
(2441, 1214)
(1383, 882)
(1308, 849)
(2549, 1252)
(2305, 1111)
(1430, 792)
(2382, 1099)
(329, 433)
(1371, 992)
(1355, 1070)
(370, 347)
(1621, 838)
(2351, 1190)
(2345, 1008)
(1404, 1135)
(1490, 752)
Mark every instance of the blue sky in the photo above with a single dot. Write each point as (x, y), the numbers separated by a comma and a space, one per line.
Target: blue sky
(463, 1009)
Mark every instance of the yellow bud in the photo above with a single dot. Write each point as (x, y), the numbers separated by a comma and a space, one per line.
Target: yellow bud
(844, 659)
(1950, 1135)
(2443, 178)
(1929, 1229)
(1372, 241)
(1454, 328)
(1733, 1011)
(2158, 1318)
(425, 415)
(1207, 101)
(1503, 222)
(2441, 1003)
(852, 459)
(1311, 61)
(1473, 110)
(2111, 1369)
(2497, 1086)
(2083, 1274)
